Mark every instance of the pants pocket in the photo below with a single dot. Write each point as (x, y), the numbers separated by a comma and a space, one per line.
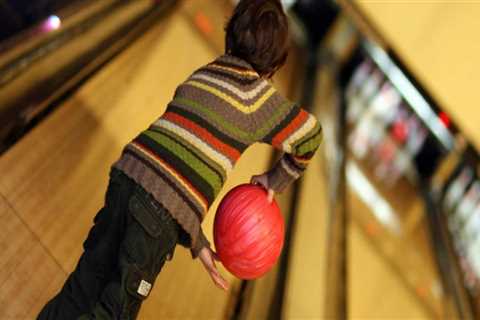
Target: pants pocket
(150, 240)
(138, 283)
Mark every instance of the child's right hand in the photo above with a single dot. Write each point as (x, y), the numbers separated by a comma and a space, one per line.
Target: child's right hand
(262, 180)
(208, 257)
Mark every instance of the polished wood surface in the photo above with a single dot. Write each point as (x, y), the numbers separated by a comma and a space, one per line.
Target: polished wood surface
(438, 42)
(306, 285)
(376, 289)
(29, 275)
(389, 276)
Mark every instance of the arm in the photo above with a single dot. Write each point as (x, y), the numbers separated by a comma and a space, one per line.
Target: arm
(208, 257)
(298, 135)
(202, 242)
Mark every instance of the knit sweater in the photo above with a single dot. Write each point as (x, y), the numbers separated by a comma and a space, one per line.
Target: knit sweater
(183, 159)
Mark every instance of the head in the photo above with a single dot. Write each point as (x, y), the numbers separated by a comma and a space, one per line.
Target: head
(257, 32)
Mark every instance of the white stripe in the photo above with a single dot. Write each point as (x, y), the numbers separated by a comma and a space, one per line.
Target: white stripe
(295, 136)
(184, 185)
(245, 95)
(198, 143)
(289, 170)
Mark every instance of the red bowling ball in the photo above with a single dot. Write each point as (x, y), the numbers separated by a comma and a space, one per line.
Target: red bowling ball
(248, 231)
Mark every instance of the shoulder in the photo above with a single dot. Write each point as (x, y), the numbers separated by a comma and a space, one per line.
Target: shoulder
(227, 75)
(275, 100)
(288, 110)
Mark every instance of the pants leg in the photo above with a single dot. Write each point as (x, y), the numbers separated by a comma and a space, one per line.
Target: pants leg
(98, 262)
(150, 239)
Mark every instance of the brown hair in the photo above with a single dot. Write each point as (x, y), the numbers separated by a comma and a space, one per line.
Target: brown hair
(257, 32)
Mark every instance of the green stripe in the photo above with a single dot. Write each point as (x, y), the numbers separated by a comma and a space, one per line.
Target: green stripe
(273, 120)
(185, 170)
(310, 145)
(204, 171)
(317, 129)
(207, 125)
(226, 125)
(230, 127)
(188, 144)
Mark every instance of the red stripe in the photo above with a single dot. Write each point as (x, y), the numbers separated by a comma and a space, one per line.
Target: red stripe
(204, 134)
(164, 163)
(288, 130)
(304, 158)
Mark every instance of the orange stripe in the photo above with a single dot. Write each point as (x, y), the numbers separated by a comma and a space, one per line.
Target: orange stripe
(288, 130)
(302, 160)
(174, 172)
(204, 134)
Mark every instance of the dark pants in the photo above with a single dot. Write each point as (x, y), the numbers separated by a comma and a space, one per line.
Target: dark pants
(130, 241)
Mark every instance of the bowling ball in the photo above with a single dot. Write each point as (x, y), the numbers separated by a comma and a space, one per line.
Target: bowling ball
(248, 231)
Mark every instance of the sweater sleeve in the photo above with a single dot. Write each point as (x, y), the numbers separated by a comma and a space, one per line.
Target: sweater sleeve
(202, 242)
(298, 135)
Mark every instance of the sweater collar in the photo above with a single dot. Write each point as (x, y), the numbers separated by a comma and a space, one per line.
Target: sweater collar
(235, 61)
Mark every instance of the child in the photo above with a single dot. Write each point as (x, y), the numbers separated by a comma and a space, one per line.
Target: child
(167, 177)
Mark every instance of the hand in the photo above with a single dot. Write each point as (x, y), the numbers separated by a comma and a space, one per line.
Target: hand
(262, 180)
(208, 257)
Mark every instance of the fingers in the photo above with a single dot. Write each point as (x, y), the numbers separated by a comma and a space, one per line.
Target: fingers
(208, 258)
(257, 179)
(270, 195)
(261, 180)
(217, 277)
(219, 280)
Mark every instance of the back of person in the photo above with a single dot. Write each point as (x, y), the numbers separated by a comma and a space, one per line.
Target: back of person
(168, 176)
(218, 112)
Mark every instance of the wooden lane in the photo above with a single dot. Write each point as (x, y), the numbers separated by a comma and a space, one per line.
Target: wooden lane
(373, 278)
(305, 291)
(29, 275)
(376, 290)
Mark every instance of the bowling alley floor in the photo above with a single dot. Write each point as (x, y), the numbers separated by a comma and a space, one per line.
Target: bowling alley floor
(376, 289)
(53, 183)
(391, 268)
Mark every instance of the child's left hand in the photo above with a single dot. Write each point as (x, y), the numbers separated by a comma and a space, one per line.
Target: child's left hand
(208, 257)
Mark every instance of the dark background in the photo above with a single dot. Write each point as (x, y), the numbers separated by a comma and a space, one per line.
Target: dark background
(18, 15)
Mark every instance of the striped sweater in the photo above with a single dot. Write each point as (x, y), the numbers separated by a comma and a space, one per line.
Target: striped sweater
(183, 159)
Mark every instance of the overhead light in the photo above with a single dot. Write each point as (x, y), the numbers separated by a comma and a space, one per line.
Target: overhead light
(53, 22)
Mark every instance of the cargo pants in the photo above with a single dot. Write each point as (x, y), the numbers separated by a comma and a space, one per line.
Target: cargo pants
(132, 237)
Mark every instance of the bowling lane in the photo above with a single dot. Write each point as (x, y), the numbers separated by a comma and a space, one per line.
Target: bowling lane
(55, 178)
(305, 290)
(376, 288)
(24, 263)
